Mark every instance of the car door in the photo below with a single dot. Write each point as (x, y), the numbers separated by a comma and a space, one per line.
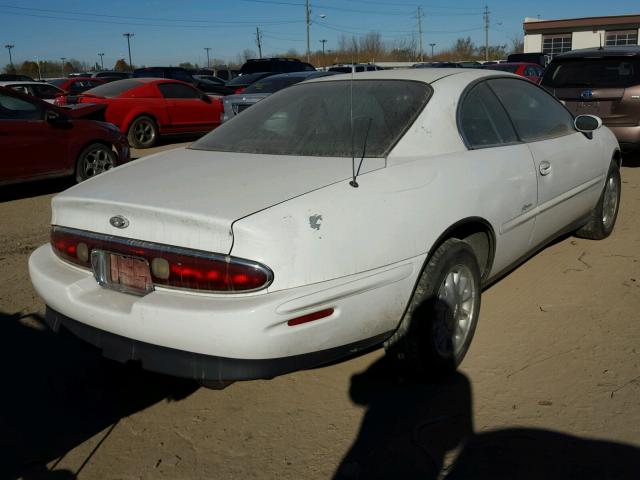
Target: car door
(30, 146)
(188, 110)
(568, 163)
(508, 165)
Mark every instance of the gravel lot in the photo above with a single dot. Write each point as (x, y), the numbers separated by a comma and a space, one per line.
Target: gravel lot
(549, 389)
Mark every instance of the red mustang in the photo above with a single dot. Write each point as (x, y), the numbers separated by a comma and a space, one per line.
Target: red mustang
(532, 71)
(145, 108)
(40, 140)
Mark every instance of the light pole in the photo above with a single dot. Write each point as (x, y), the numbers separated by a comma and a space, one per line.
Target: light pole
(129, 35)
(323, 42)
(9, 47)
(207, 50)
(432, 45)
(101, 55)
(63, 59)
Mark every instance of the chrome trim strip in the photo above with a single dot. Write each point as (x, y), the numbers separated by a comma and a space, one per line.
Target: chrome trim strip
(130, 242)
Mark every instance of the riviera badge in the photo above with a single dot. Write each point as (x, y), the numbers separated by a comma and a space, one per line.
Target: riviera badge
(119, 221)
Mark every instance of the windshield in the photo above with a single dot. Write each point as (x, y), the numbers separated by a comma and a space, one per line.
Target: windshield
(596, 72)
(113, 89)
(272, 84)
(314, 119)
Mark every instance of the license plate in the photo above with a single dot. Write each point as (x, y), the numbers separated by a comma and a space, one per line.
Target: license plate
(122, 272)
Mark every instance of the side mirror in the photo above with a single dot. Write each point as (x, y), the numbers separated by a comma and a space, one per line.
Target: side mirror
(54, 118)
(587, 123)
(205, 98)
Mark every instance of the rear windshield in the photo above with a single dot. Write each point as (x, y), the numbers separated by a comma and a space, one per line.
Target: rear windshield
(113, 89)
(315, 119)
(57, 81)
(503, 68)
(271, 84)
(245, 79)
(593, 72)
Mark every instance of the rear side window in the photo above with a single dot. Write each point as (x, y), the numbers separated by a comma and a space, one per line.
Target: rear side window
(12, 108)
(113, 89)
(535, 114)
(483, 121)
(594, 72)
(177, 90)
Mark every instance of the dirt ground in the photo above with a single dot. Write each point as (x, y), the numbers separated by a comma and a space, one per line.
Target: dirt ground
(549, 389)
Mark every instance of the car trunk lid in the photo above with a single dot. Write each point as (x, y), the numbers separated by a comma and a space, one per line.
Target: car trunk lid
(190, 198)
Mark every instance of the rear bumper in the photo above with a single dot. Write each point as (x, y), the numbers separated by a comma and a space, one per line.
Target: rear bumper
(197, 366)
(628, 136)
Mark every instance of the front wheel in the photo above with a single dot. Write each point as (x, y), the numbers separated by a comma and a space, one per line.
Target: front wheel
(436, 331)
(93, 160)
(143, 132)
(604, 215)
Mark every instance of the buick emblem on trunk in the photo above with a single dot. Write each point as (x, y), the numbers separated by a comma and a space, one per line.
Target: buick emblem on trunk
(119, 221)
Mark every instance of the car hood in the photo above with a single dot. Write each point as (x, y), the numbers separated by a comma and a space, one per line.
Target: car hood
(190, 198)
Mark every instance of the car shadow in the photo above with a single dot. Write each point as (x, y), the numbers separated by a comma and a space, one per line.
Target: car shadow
(631, 159)
(59, 392)
(416, 430)
(19, 191)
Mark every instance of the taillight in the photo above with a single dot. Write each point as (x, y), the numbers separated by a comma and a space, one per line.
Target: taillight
(169, 266)
(239, 90)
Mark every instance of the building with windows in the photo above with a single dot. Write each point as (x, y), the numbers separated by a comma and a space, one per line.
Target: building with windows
(552, 37)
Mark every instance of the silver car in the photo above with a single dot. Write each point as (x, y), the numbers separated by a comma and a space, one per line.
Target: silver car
(234, 104)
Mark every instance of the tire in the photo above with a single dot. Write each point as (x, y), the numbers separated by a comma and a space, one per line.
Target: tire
(436, 330)
(604, 215)
(94, 160)
(143, 132)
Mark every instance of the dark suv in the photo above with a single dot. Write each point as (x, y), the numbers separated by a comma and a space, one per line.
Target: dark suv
(277, 65)
(178, 73)
(603, 82)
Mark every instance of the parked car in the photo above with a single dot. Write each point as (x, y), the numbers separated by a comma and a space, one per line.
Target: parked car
(234, 104)
(41, 90)
(146, 108)
(356, 212)
(538, 58)
(72, 87)
(10, 77)
(183, 75)
(39, 140)
(469, 64)
(238, 84)
(211, 78)
(532, 71)
(354, 67)
(110, 76)
(436, 65)
(603, 82)
(275, 65)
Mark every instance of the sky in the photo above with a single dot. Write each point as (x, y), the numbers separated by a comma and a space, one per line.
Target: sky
(168, 32)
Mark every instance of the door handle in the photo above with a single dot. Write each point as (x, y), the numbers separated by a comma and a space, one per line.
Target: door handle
(545, 168)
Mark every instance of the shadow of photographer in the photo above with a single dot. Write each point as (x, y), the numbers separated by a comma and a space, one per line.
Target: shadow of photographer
(413, 430)
(58, 392)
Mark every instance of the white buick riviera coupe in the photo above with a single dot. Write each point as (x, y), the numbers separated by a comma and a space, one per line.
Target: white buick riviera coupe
(336, 215)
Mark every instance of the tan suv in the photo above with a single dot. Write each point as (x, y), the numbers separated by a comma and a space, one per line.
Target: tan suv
(603, 82)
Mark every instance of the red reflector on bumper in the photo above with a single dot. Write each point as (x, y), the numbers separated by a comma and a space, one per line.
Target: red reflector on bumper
(310, 317)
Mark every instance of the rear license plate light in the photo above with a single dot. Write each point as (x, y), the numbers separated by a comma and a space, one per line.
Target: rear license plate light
(123, 273)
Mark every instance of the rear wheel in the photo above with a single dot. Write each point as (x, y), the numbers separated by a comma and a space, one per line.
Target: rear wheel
(93, 160)
(437, 328)
(143, 132)
(604, 215)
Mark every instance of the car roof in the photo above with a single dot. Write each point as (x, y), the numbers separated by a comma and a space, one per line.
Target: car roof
(303, 74)
(7, 83)
(599, 52)
(426, 75)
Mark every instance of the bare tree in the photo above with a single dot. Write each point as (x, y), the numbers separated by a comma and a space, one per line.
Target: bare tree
(517, 44)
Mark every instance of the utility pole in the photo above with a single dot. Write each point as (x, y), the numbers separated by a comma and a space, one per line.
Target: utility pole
(63, 59)
(101, 55)
(419, 16)
(129, 35)
(9, 47)
(206, 49)
(308, 14)
(323, 61)
(259, 41)
(39, 72)
(486, 32)
(432, 45)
